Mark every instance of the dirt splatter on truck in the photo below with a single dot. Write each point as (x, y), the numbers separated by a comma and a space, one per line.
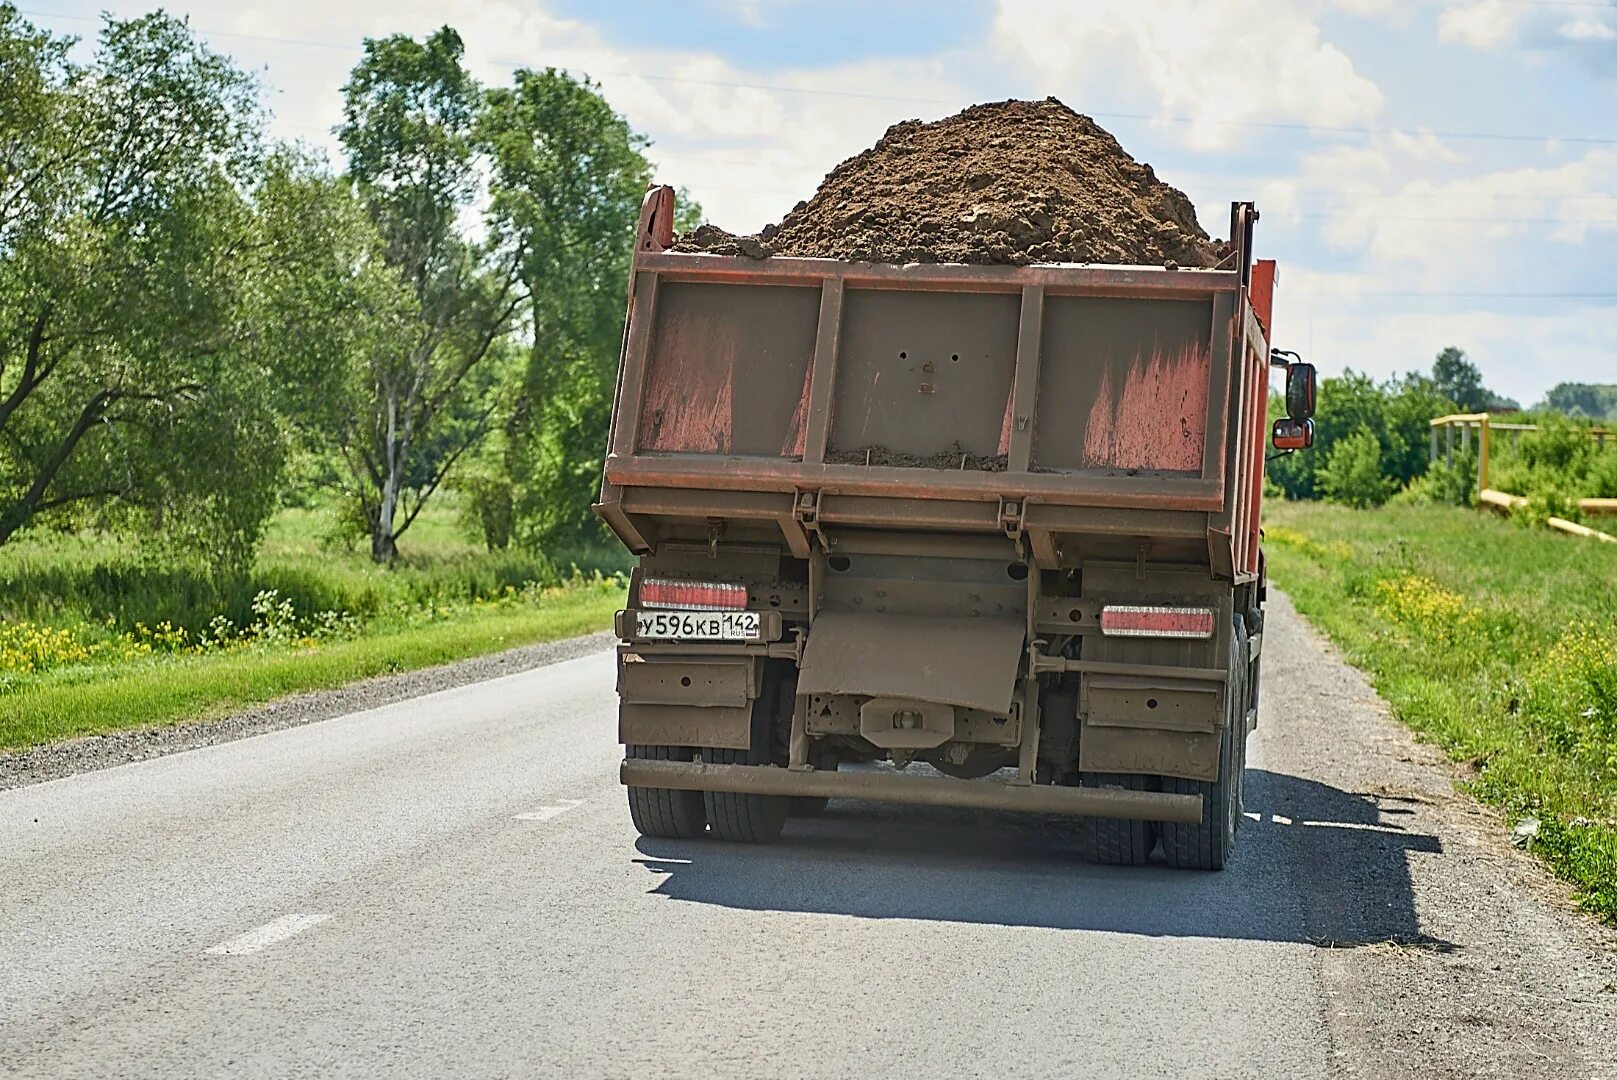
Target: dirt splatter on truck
(905, 489)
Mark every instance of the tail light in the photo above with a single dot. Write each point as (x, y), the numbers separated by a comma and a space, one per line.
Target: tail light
(1121, 620)
(692, 595)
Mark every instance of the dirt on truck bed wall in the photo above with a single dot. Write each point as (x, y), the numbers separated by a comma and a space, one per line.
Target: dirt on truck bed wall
(1009, 182)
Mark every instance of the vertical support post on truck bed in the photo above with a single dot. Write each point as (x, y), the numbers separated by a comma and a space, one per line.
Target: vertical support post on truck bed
(1025, 384)
(823, 372)
(636, 355)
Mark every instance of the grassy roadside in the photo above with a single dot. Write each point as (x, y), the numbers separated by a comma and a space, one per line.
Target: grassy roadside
(1496, 642)
(165, 689)
(99, 632)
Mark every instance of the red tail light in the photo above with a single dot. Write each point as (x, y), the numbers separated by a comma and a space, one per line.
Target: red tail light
(1140, 621)
(692, 595)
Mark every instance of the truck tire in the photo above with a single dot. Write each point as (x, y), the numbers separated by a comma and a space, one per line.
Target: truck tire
(1115, 841)
(664, 812)
(745, 819)
(1207, 844)
(751, 819)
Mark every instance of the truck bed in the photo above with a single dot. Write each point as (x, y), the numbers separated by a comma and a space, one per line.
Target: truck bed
(1083, 407)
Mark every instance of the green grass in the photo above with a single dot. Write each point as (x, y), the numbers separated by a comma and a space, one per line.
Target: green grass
(166, 689)
(1496, 642)
(99, 633)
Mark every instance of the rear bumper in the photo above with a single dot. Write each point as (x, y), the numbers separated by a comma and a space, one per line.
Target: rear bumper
(918, 790)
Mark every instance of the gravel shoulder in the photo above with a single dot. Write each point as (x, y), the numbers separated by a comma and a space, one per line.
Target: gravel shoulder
(56, 760)
(1444, 952)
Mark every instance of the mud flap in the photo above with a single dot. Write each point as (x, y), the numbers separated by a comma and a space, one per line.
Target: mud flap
(972, 663)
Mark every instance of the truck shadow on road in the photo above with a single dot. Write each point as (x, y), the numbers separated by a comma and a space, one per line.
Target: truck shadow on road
(1319, 865)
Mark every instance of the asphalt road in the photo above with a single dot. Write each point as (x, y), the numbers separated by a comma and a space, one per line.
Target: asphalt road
(450, 886)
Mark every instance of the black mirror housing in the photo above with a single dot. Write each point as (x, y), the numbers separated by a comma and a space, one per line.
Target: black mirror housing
(1300, 389)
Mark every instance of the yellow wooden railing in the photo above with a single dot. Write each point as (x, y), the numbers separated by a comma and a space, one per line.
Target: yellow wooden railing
(1484, 424)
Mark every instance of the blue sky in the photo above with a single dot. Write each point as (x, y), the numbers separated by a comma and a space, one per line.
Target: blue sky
(1430, 172)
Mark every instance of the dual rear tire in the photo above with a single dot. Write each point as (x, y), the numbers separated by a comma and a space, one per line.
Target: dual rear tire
(741, 818)
(1203, 845)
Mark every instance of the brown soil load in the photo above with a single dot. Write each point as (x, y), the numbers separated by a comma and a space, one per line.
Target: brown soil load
(1010, 182)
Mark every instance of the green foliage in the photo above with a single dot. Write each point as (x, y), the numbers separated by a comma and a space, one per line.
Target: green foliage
(154, 358)
(1495, 643)
(1397, 414)
(1458, 379)
(1443, 484)
(1593, 401)
(1353, 473)
(430, 380)
(164, 688)
(568, 179)
(1553, 467)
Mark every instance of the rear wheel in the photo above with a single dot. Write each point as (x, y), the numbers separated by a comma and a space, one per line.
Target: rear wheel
(1115, 841)
(665, 812)
(753, 819)
(1207, 844)
(747, 819)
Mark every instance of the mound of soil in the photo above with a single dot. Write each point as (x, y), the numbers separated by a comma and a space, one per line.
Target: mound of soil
(1009, 182)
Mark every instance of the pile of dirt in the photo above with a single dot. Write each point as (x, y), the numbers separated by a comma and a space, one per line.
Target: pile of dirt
(953, 457)
(1009, 182)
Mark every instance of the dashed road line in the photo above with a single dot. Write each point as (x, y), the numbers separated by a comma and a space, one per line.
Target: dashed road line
(266, 935)
(545, 813)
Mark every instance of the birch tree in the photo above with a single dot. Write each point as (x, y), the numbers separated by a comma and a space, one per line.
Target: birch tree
(428, 393)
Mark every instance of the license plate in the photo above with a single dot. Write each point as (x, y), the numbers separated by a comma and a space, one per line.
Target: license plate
(697, 625)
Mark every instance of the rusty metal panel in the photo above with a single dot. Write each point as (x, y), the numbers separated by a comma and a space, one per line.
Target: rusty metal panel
(729, 727)
(968, 662)
(919, 371)
(1159, 704)
(1123, 385)
(689, 682)
(728, 369)
(1192, 755)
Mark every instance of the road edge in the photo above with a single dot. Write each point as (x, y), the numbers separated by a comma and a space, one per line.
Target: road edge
(53, 761)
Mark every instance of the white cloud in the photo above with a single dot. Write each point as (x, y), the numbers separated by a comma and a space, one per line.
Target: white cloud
(748, 151)
(1486, 25)
(1212, 63)
(1588, 29)
(1522, 347)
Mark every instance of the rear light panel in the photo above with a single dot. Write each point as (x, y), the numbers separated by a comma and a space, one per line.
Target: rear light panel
(692, 595)
(1126, 620)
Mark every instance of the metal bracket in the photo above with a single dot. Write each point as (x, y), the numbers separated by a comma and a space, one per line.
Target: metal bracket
(1010, 517)
(806, 512)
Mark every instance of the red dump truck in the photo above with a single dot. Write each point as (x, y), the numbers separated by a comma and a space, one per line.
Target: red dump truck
(1000, 521)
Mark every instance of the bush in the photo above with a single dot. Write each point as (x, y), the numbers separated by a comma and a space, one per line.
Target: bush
(1352, 473)
(1443, 485)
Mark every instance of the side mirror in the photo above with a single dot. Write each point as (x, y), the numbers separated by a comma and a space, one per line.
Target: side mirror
(1300, 384)
(1290, 434)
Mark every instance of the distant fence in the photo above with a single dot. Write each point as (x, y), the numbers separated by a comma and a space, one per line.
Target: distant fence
(1484, 425)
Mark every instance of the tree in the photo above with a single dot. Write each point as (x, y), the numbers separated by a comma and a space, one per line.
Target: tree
(428, 394)
(1459, 380)
(1397, 413)
(1353, 473)
(142, 369)
(1596, 401)
(568, 176)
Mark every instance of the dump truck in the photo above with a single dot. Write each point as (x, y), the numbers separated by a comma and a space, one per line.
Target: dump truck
(955, 535)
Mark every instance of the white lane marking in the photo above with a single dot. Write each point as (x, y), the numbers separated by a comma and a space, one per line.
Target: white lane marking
(268, 934)
(1280, 819)
(545, 813)
(1250, 814)
(1365, 826)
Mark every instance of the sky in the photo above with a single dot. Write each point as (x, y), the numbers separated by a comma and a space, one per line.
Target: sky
(1429, 172)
